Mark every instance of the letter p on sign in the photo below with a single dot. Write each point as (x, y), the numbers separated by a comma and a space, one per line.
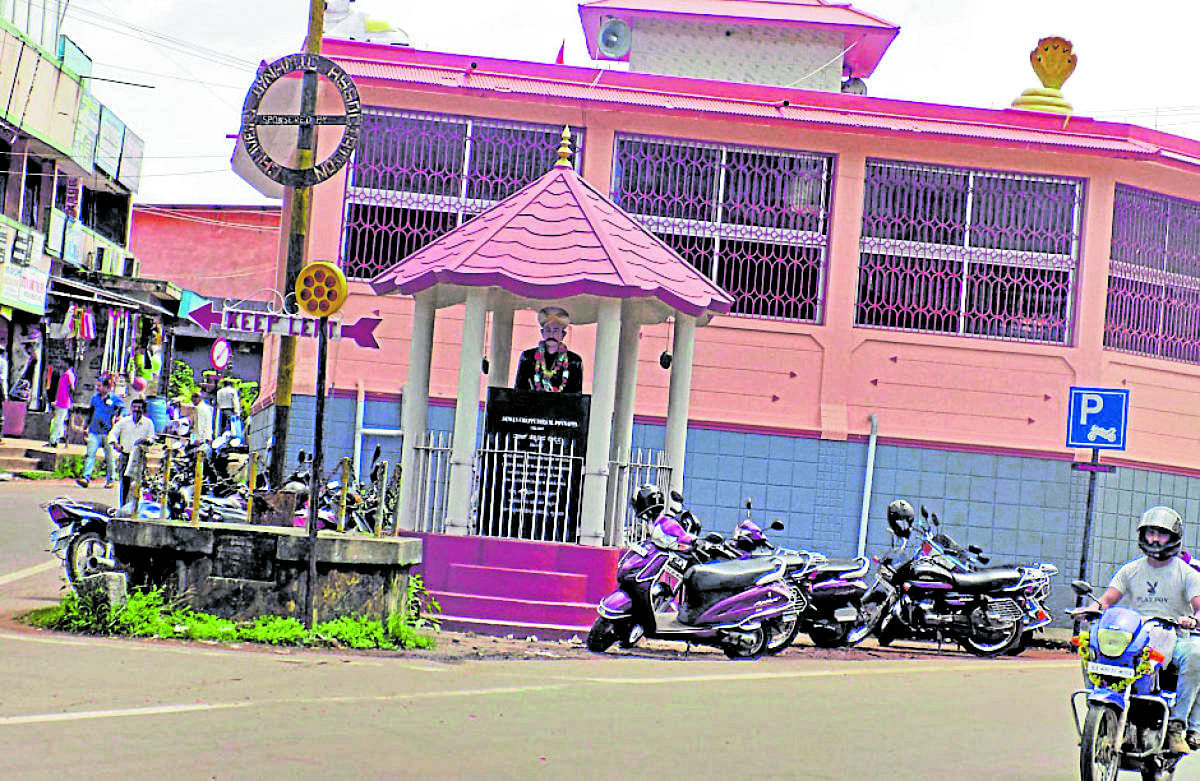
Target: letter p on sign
(1092, 404)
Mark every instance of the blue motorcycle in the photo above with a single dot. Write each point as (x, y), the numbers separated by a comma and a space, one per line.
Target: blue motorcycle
(1129, 694)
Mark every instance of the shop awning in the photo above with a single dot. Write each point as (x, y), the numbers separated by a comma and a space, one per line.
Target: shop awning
(81, 291)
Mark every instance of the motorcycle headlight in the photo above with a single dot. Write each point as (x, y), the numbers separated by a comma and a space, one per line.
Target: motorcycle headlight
(1113, 642)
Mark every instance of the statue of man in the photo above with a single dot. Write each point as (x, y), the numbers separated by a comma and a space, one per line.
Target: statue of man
(551, 367)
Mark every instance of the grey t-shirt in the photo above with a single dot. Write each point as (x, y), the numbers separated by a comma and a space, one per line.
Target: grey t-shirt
(1162, 592)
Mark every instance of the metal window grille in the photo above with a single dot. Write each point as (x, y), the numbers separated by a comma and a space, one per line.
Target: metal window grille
(968, 252)
(1154, 276)
(755, 221)
(416, 177)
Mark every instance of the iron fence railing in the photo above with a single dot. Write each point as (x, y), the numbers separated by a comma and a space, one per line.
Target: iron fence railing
(968, 252)
(431, 476)
(1153, 303)
(643, 465)
(527, 490)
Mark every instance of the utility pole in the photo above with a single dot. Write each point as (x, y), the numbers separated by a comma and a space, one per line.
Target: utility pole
(297, 249)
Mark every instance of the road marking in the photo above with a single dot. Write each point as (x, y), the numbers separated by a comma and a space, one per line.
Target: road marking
(159, 710)
(154, 710)
(897, 670)
(21, 574)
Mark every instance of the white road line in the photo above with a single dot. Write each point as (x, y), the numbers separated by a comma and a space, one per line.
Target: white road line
(899, 669)
(21, 574)
(159, 710)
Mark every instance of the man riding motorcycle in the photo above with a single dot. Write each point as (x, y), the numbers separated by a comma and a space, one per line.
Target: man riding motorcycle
(1162, 585)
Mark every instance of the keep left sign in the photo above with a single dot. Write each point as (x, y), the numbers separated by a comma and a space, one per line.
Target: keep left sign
(1097, 418)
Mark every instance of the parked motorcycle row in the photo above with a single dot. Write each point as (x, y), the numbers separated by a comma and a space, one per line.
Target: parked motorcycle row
(80, 534)
(749, 597)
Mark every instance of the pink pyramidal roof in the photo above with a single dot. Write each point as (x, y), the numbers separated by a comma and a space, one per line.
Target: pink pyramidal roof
(555, 239)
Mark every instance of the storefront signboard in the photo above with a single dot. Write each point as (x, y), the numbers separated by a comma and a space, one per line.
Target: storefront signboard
(25, 272)
(87, 126)
(109, 142)
(132, 149)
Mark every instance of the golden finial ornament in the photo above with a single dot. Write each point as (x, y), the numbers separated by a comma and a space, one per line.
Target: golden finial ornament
(1053, 62)
(564, 149)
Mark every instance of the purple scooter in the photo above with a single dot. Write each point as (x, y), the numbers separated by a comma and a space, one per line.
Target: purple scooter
(669, 588)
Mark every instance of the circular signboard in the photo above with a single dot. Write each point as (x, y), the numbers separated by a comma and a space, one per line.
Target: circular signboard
(252, 120)
(321, 289)
(219, 355)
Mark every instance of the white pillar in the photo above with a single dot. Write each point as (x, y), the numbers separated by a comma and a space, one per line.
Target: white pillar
(466, 414)
(500, 349)
(622, 436)
(414, 412)
(677, 403)
(595, 465)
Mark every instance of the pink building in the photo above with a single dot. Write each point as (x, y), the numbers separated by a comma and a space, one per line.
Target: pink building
(935, 275)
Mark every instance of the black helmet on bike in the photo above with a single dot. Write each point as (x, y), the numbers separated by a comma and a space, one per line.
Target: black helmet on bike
(900, 517)
(1166, 520)
(648, 502)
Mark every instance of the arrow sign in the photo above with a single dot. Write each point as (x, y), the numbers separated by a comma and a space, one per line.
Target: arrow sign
(199, 310)
(361, 332)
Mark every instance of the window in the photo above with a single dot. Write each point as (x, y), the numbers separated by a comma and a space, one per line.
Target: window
(968, 252)
(416, 177)
(104, 212)
(754, 221)
(1154, 276)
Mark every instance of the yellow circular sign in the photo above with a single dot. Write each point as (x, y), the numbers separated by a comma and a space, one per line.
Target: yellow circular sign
(320, 289)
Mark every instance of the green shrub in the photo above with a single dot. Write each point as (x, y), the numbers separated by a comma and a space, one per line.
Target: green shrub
(356, 632)
(274, 630)
(202, 626)
(144, 614)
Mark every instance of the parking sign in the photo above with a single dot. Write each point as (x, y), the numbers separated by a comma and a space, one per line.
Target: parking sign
(1097, 418)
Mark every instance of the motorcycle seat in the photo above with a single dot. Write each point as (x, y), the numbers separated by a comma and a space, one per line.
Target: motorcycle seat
(728, 575)
(986, 580)
(834, 566)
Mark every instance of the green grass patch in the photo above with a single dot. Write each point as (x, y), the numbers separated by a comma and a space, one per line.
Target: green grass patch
(146, 613)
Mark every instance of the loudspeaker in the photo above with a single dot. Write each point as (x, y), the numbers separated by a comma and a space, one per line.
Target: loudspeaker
(614, 39)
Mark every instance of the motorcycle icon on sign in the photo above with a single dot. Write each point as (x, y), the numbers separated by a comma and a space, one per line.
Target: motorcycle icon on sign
(1107, 434)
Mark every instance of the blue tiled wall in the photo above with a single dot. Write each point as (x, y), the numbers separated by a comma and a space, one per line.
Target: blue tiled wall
(1020, 509)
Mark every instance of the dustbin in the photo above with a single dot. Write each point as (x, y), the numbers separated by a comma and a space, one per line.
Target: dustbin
(14, 418)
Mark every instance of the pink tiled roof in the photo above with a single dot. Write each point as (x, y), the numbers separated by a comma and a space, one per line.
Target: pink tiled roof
(865, 36)
(554, 239)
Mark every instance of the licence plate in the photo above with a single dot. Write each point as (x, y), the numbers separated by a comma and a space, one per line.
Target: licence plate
(639, 550)
(1110, 670)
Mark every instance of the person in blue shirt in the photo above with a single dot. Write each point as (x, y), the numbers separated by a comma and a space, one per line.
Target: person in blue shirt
(106, 407)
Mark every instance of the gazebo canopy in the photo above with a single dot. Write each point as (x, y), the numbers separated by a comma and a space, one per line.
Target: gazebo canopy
(559, 240)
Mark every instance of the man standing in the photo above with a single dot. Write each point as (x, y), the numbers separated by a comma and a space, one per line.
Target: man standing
(106, 407)
(63, 398)
(126, 434)
(202, 425)
(228, 402)
(551, 367)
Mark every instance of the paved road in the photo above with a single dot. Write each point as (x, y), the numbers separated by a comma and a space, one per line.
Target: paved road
(107, 708)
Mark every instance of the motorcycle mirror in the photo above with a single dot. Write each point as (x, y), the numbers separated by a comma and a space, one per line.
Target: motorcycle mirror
(678, 497)
(302, 456)
(378, 452)
(1081, 587)
(983, 559)
(749, 504)
(924, 512)
(975, 549)
(716, 538)
(934, 519)
(776, 525)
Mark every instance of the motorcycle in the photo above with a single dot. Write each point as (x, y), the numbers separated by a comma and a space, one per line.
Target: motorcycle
(676, 586)
(1130, 690)
(927, 597)
(942, 547)
(830, 590)
(80, 536)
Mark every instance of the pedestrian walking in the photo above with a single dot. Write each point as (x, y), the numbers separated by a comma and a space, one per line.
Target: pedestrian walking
(63, 399)
(228, 407)
(106, 407)
(134, 428)
(202, 427)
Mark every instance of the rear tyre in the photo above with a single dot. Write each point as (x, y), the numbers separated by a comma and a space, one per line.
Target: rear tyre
(602, 635)
(80, 551)
(992, 643)
(1157, 775)
(824, 637)
(1099, 757)
(1022, 643)
(745, 645)
(781, 634)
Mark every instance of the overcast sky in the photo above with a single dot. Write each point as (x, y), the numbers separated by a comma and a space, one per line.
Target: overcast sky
(1137, 62)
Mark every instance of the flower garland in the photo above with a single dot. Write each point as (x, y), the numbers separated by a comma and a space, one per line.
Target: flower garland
(543, 375)
(1143, 668)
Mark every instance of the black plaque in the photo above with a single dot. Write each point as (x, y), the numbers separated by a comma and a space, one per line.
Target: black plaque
(534, 451)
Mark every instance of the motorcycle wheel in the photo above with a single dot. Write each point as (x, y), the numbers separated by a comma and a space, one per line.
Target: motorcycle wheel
(1099, 754)
(781, 634)
(871, 617)
(602, 635)
(752, 649)
(824, 637)
(993, 645)
(1022, 643)
(79, 551)
(1150, 774)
